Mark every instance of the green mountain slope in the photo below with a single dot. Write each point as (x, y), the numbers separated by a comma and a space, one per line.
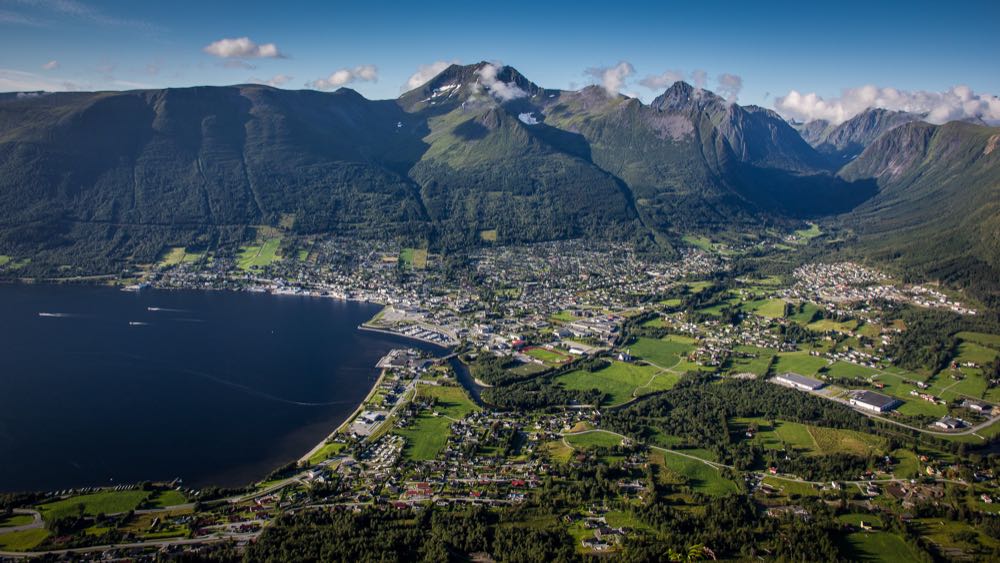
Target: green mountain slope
(844, 142)
(938, 204)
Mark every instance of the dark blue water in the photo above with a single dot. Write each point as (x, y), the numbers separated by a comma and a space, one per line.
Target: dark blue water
(215, 387)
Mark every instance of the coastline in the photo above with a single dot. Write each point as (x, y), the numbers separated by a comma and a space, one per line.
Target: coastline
(371, 392)
(364, 326)
(350, 417)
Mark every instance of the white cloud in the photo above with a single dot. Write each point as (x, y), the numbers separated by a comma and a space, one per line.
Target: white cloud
(662, 81)
(730, 86)
(242, 48)
(699, 78)
(958, 102)
(338, 78)
(612, 78)
(425, 73)
(503, 91)
(276, 81)
(51, 65)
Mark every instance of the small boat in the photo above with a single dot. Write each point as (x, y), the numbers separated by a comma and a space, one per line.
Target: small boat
(137, 323)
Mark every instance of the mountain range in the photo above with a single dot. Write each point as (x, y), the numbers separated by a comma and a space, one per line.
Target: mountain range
(95, 180)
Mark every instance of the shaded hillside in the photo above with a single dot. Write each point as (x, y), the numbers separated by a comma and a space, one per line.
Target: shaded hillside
(844, 142)
(100, 180)
(938, 204)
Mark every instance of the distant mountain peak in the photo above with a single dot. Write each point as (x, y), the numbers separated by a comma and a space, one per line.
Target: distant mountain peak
(458, 83)
(845, 141)
(681, 95)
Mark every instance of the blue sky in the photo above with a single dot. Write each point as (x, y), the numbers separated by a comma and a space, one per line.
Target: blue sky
(773, 48)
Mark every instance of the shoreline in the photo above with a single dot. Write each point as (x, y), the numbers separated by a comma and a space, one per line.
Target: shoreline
(366, 326)
(372, 391)
(350, 417)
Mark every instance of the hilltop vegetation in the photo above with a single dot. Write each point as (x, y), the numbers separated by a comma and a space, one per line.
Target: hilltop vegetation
(97, 183)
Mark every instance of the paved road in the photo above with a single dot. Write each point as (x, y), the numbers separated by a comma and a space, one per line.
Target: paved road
(783, 477)
(153, 543)
(964, 432)
(36, 522)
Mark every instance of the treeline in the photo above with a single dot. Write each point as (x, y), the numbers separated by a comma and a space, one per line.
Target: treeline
(433, 534)
(534, 391)
(699, 408)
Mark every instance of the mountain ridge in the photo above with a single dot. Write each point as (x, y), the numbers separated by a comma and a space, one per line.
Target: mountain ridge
(106, 178)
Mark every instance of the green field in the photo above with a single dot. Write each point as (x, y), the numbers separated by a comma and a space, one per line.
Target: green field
(701, 242)
(876, 546)
(827, 325)
(327, 451)
(799, 362)
(557, 450)
(981, 338)
(428, 433)
(13, 264)
(259, 256)
(621, 381)
(594, 439)
(105, 502)
(489, 236)
(807, 315)
(666, 352)
(758, 365)
(846, 370)
(782, 435)
(15, 520)
(803, 236)
(976, 353)
(23, 540)
(770, 308)
(700, 476)
(815, 440)
(178, 254)
(549, 357)
(163, 499)
(413, 258)
(789, 487)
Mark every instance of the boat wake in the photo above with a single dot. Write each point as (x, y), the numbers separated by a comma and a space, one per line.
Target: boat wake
(258, 393)
(57, 315)
(166, 310)
(221, 381)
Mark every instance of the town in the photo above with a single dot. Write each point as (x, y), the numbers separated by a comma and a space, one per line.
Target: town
(538, 367)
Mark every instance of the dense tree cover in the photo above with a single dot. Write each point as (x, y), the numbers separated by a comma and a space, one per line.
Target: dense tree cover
(698, 410)
(726, 528)
(388, 535)
(532, 391)
(539, 393)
